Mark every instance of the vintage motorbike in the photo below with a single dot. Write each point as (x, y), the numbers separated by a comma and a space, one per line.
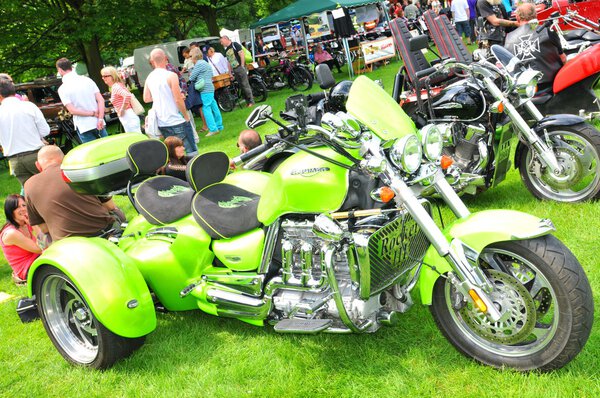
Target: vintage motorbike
(335, 240)
(486, 111)
(288, 73)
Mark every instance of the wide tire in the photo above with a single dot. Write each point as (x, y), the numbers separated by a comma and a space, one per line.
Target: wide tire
(225, 100)
(72, 327)
(300, 79)
(550, 302)
(259, 90)
(577, 149)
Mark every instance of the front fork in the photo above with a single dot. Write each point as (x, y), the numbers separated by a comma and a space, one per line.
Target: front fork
(470, 280)
(539, 146)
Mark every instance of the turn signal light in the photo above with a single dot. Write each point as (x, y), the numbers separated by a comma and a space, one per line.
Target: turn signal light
(446, 161)
(478, 301)
(386, 194)
(64, 177)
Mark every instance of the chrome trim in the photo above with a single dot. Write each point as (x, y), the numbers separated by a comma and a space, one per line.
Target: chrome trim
(269, 248)
(166, 232)
(250, 284)
(545, 227)
(97, 172)
(445, 190)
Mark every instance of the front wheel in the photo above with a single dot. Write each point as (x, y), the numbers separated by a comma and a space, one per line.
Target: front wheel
(225, 100)
(577, 149)
(259, 90)
(300, 79)
(71, 325)
(546, 300)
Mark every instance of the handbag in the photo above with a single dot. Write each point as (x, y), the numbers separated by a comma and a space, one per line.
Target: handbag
(137, 107)
(199, 84)
(151, 126)
(192, 98)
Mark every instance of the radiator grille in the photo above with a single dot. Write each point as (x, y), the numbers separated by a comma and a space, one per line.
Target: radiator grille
(394, 250)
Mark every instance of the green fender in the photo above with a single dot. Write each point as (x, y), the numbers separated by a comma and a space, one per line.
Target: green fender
(108, 280)
(477, 231)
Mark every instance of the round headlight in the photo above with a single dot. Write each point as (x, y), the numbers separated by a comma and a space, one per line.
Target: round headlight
(527, 83)
(406, 153)
(432, 141)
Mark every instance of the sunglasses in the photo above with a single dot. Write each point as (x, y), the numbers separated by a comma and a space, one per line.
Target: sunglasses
(106, 76)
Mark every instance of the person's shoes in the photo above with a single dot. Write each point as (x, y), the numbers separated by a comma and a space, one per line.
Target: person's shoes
(18, 281)
(251, 104)
(211, 133)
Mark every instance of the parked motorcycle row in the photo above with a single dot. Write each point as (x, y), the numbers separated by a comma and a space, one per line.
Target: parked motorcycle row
(337, 233)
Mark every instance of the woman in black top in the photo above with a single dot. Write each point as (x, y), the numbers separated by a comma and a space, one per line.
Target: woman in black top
(177, 158)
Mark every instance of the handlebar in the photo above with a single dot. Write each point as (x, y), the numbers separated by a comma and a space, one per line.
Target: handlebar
(250, 154)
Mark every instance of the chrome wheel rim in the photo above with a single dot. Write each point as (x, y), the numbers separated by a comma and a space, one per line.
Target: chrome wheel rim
(69, 319)
(512, 336)
(580, 165)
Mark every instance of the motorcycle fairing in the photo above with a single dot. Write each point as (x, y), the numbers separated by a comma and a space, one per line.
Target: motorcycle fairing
(502, 152)
(304, 184)
(477, 231)
(367, 101)
(582, 66)
(111, 279)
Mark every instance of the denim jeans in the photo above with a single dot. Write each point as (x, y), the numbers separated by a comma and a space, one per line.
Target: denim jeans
(463, 27)
(212, 114)
(184, 132)
(91, 135)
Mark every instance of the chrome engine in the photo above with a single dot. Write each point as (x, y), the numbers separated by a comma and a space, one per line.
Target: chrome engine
(467, 145)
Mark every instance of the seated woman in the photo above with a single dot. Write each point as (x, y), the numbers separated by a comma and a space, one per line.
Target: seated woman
(323, 57)
(17, 239)
(177, 158)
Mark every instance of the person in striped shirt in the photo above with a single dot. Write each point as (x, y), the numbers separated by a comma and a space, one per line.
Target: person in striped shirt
(121, 100)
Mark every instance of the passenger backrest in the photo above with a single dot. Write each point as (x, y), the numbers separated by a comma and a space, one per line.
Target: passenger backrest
(207, 169)
(446, 38)
(146, 157)
(414, 61)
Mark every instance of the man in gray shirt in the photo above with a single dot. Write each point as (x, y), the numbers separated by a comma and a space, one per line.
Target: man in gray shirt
(411, 11)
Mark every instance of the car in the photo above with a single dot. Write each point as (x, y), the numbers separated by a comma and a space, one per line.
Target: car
(44, 93)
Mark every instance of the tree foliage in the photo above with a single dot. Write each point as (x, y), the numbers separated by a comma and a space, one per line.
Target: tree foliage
(35, 33)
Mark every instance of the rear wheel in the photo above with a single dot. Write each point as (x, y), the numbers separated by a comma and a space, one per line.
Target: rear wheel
(577, 149)
(259, 90)
(546, 300)
(300, 79)
(225, 100)
(71, 325)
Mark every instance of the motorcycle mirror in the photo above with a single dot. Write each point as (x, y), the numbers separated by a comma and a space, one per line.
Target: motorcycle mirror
(324, 76)
(259, 116)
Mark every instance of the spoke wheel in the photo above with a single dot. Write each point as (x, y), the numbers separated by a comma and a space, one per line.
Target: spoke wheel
(259, 90)
(300, 79)
(71, 325)
(225, 99)
(577, 150)
(547, 316)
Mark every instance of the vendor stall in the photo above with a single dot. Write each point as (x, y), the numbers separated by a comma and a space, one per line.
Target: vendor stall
(304, 8)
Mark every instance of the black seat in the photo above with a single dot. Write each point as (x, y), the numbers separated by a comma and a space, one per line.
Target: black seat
(222, 210)
(160, 199)
(446, 38)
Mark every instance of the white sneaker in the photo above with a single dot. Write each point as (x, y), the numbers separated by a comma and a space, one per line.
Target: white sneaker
(211, 133)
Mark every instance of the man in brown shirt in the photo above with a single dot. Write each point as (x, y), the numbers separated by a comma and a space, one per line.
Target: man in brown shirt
(56, 208)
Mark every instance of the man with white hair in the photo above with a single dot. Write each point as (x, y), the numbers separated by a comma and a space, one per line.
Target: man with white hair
(162, 89)
(494, 23)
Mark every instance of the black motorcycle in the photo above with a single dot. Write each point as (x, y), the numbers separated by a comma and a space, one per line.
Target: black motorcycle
(287, 73)
(229, 94)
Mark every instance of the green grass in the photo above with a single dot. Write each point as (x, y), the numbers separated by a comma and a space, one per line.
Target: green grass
(194, 354)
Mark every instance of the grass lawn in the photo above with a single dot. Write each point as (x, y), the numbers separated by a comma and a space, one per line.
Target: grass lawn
(194, 354)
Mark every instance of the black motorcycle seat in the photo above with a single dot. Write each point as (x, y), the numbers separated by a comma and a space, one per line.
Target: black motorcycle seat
(163, 199)
(224, 210)
(591, 36)
(574, 34)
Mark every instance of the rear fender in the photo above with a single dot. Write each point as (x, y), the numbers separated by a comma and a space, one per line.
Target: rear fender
(108, 280)
(548, 121)
(477, 231)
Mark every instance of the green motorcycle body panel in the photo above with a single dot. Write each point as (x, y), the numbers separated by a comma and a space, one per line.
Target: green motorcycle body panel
(367, 102)
(170, 261)
(503, 149)
(109, 281)
(242, 253)
(477, 231)
(304, 183)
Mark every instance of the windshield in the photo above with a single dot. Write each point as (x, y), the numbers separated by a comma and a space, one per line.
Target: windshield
(376, 109)
(505, 57)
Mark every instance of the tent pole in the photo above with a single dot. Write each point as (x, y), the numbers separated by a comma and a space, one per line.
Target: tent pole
(252, 41)
(348, 59)
(389, 21)
(304, 37)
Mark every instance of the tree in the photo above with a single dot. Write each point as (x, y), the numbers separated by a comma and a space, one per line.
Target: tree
(34, 33)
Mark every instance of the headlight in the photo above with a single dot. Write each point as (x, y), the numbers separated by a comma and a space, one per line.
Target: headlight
(527, 83)
(406, 153)
(432, 142)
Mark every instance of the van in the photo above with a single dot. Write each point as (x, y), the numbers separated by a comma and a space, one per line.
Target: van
(141, 56)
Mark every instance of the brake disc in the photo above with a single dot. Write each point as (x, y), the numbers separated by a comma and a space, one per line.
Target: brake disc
(513, 300)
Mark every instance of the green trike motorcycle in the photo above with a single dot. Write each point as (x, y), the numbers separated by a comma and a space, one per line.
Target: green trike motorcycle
(334, 240)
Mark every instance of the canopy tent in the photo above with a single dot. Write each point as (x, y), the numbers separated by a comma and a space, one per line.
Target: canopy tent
(303, 8)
